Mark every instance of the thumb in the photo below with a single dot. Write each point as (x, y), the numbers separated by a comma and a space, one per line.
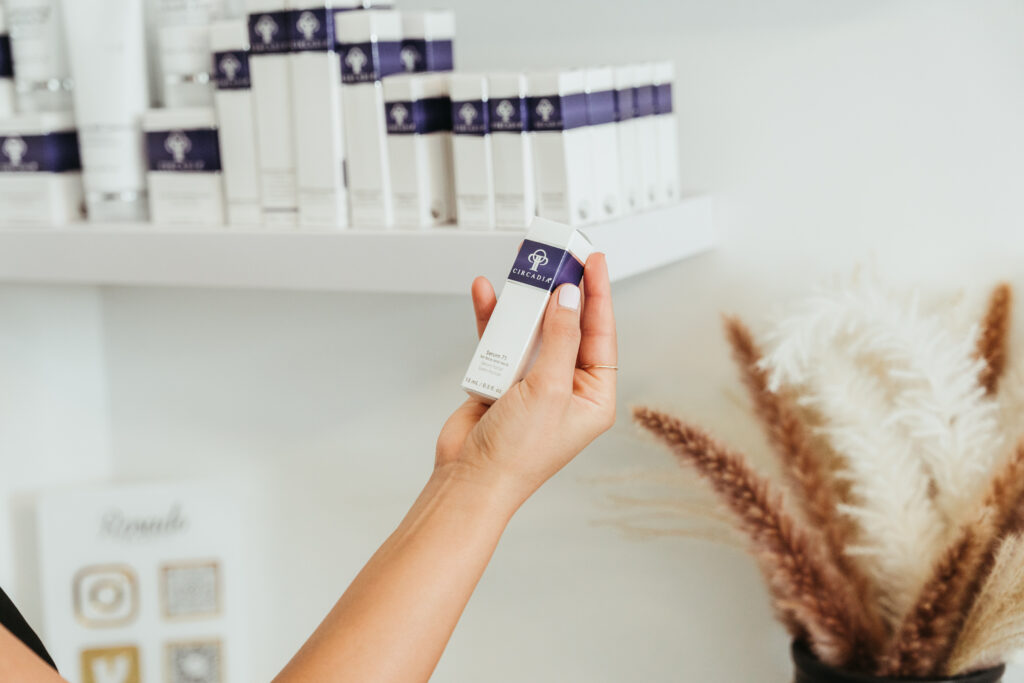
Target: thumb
(559, 341)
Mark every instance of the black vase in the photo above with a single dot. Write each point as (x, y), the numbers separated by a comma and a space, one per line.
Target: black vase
(809, 670)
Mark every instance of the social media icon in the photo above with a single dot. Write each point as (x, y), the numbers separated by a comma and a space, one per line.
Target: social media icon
(106, 595)
(111, 665)
(194, 662)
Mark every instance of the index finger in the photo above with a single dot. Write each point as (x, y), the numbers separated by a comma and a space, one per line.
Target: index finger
(599, 345)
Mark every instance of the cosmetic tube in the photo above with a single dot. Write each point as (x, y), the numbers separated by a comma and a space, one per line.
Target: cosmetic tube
(515, 199)
(43, 78)
(40, 173)
(185, 65)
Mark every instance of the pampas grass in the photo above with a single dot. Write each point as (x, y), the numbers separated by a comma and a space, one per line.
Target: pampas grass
(995, 328)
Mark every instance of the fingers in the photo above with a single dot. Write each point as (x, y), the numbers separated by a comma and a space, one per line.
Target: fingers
(559, 341)
(598, 345)
(484, 301)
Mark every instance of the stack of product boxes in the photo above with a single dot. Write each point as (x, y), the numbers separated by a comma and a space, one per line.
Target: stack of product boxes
(348, 114)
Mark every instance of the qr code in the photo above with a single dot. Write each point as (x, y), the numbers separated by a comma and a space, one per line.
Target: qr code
(194, 662)
(191, 590)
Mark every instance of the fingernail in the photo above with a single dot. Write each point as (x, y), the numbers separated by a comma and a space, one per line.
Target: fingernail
(569, 297)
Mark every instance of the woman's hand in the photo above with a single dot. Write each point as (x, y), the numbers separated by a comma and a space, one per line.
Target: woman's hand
(542, 422)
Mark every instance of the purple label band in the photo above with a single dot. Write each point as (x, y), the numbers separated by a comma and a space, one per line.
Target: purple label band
(625, 104)
(419, 117)
(369, 62)
(231, 70)
(557, 112)
(418, 55)
(545, 267)
(600, 107)
(185, 151)
(6, 62)
(663, 98)
(470, 117)
(643, 100)
(508, 114)
(50, 153)
(312, 29)
(269, 33)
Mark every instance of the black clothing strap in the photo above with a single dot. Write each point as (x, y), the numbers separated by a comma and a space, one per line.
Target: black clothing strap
(11, 619)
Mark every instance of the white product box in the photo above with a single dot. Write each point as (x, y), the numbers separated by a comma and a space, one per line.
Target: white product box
(418, 112)
(631, 163)
(557, 107)
(185, 65)
(515, 198)
(369, 47)
(270, 72)
(40, 171)
(316, 115)
(551, 255)
(646, 131)
(146, 582)
(427, 39)
(606, 199)
(472, 152)
(668, 137)
(43, 77)
(184, 177)
(7, 93)
(229, 41)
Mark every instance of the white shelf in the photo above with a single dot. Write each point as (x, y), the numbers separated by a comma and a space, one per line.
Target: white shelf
(443, 260)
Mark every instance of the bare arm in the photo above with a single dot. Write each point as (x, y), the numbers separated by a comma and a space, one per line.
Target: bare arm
(394, 621)
(19, 663)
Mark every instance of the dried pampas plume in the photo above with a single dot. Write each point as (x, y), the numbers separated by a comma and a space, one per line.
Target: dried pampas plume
(992, 341)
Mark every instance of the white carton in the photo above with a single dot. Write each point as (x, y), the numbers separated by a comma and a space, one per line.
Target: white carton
(184, 175)
(427, 41)
(471, 148)
(369, 43)
(270, 43)
(418, 112)
(7, 92)
(316, 114)
(668, 137)
(40, 49)
(229, 41)
(557, 107)
(631, 163)
(515, 190)
(606, 196)
(646, 132)
(40, 171)
(551, 255)
(185, 65)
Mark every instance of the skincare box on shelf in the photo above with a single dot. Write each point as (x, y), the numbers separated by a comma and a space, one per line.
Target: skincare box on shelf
(39, 48)
(631, 163)
(646, 132)
(229, 41)
(418, 113)
(471, 146)
(184, 176)
(427, 41)
(668, 139)
(185, 65)
(515, 199)
(605, 199)
(40, 172)
(551, 255)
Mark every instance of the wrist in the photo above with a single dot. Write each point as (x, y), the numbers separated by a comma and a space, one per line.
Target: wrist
(490, 491)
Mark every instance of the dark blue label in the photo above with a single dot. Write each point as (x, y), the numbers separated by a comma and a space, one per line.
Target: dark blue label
(428, 115)
(625, 104)
(269, 33)
(6, 63)
(183, 150)
(470, 117)
(557, 112)
(231, 70)
(312, 30)
(507, 114)
(50, 153)
(643, 100)
(663, 98)
(368, 62)
(600, 107)
(419, 55)
(545, 267)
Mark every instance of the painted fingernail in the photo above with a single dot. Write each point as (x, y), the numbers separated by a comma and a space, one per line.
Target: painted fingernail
(569, 297)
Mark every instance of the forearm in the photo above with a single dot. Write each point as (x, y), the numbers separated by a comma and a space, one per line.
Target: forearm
(393, 622)
(19, 663)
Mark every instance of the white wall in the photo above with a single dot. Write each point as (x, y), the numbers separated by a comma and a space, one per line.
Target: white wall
(828, 130)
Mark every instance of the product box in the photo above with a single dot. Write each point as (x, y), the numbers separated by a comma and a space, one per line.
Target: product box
(369, 45)
(185, 65)
(631, 164)
(316, 114)
(515, 198)
(184, 177)
(557, 107)
(7, 93)
(472, 152)
(646, 131)
(40, 171)
(229, 41)
(270, 71)
(606, 199)
(427, 40)
(418, 112)
(668, 136)
(38, 44)
(551, 255)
